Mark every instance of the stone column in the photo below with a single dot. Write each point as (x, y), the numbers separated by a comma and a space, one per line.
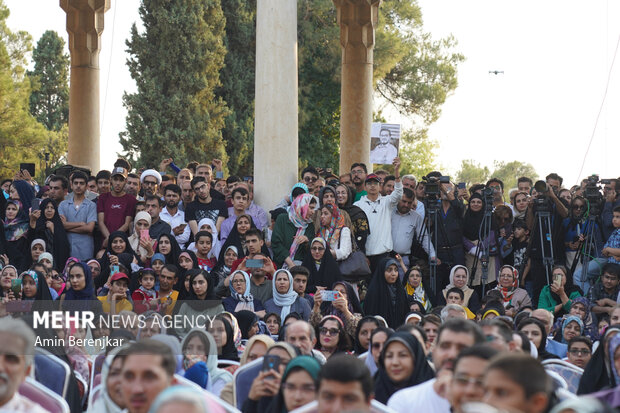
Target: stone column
(275, 123)
(357, 20)
(85, 25)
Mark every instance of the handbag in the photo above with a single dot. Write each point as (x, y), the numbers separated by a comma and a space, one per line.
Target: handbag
(355, 266)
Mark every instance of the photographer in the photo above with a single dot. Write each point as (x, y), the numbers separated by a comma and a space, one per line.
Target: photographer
(449, 246)
(545, 200)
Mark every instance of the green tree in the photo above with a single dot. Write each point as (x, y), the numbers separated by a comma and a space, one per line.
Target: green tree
(510, 172)
(176, 63)
(49, 101)
(21, 136)
(472, 173)
(237, 88)
(417, 153)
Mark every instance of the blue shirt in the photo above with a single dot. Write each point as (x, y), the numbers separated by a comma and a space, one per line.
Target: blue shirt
(82, 245)
(613, 242)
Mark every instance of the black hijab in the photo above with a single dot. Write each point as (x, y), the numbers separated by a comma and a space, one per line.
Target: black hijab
(229, 351)
(422, 371)
(367, 319)
(104, 261)
(246, 320)
(543, 354)
(595, 375)
(180, 285)
(327, 273)
(390, 302)
(210, 299)
(472, 220)
(173, 256)
(57, 242)
(327, 307)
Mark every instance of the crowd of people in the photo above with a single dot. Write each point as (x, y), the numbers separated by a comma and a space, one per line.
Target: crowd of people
(358, 292)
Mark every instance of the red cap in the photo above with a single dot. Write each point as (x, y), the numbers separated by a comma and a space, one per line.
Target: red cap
(118, 276)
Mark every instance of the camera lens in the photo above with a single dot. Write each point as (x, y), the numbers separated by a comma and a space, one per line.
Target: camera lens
(540, 186)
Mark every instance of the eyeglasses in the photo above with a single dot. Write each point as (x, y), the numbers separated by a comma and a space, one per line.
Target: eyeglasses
(306, 388)
(506, 276)
(310, 179)
(464, 380)
(316, 249)
(238, 281)
(329, 331)
(578, 352)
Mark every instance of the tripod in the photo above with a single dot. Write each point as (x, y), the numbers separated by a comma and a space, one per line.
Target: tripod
(483, 247)
(587, 247)
(543, 223)
(437, 226)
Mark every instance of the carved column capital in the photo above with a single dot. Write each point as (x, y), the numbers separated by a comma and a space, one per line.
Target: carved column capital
(85, 25)
(357, 20)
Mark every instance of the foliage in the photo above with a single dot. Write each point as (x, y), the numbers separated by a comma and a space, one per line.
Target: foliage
(472, 173)
(417, 153)
(21, 136)
(176, 63)
(237, 88)
(49, 101)
(508, 172)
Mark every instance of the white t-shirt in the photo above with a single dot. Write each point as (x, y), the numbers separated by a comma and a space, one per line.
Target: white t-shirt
(420, 398)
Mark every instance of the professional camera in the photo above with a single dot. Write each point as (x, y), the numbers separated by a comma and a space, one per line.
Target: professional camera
(488, 194)
(432, 189)
(542, 202)
(592, 193)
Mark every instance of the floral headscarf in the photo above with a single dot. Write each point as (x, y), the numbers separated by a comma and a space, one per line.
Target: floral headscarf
(17, 227)
(508, 291)
(335, 225)
(300, 214)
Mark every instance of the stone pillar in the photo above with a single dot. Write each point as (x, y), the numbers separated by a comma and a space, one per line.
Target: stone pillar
(357, 20)
(275, 122)
(85, 25)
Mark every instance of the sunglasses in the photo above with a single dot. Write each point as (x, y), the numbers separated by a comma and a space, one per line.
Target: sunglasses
(329, 331)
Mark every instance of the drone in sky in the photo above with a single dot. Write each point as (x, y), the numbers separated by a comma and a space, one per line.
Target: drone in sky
(496, 72)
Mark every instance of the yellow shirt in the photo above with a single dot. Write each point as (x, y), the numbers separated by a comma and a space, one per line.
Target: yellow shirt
(124, 304)
(174, 294)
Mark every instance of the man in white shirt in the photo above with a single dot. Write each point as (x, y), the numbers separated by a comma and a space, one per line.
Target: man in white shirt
(430, 397)
(378, 209)
(173, 215)
(16, 358)
(408, 225)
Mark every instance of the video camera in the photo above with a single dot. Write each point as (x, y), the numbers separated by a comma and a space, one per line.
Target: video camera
(432, 188)
(488, 195)
(542, 202)
(592, 192)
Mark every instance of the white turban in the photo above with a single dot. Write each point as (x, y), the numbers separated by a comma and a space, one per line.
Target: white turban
(153, 173)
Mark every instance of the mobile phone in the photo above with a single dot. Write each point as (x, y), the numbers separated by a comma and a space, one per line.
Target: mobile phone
(254, 263)
(329, 295)
(271, 362)
(144, 234)
(35, 205)
(461, 185)
(114, 270)
(28, 167)
(557, 280)
(247, 178)
(219, 175)
(16, 286)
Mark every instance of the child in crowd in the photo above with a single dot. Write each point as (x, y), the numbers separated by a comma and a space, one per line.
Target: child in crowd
(146, 297)
(457, 296)
(116, 299)
(204, 242)
(611, 249)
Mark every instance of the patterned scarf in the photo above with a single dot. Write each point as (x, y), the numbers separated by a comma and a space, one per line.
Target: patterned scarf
(335, 225)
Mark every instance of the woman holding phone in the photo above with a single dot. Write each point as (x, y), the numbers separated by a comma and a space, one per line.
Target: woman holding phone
(140, 240)
(559, 296)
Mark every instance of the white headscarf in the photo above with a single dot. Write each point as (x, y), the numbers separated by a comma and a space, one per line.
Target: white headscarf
(105, 404)
(215, 247)
(245, 301)
(215, 373)
(284, 300)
